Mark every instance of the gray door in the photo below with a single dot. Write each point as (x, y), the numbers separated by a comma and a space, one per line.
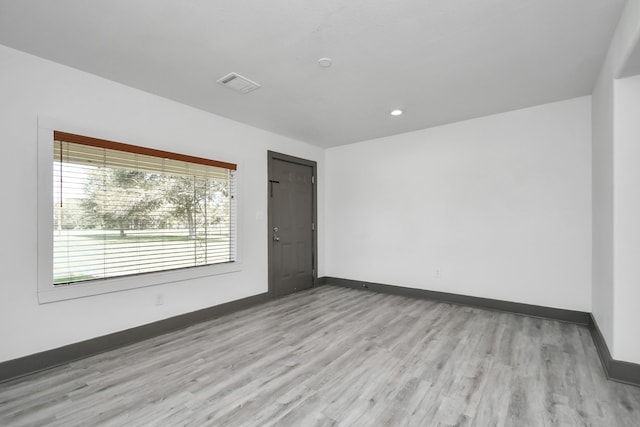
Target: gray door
(291, 224)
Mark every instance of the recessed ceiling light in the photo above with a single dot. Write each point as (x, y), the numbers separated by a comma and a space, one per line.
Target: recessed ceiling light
(397, 112)
(325, 62)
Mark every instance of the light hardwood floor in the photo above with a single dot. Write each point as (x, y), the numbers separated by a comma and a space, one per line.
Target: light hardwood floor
(334, 356)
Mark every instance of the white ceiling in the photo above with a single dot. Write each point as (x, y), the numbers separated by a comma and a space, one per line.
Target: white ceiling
(440, 60)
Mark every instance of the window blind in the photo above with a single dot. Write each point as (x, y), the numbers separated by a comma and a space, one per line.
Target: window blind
(123, 210)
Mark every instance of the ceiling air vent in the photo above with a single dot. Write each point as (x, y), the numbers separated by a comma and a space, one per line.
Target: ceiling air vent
(237, 82)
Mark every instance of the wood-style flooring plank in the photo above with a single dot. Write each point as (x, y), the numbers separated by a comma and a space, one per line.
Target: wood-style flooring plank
(337, 357)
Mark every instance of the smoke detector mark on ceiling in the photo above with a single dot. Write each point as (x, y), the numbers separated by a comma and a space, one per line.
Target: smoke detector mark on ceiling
(325, 62)
(239, 83)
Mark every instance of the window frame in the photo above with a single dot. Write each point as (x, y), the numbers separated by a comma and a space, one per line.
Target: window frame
(47, 291)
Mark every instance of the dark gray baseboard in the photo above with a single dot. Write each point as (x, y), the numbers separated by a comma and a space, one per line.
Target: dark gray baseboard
(616, 370)
(48, 359)
(579, 317)
(320, 281)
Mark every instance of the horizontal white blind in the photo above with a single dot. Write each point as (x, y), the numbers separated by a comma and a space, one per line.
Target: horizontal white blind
(120, 213)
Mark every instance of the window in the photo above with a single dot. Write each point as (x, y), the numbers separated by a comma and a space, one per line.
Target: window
(121, 213)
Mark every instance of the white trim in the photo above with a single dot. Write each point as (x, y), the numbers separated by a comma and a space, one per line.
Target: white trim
(47, 292)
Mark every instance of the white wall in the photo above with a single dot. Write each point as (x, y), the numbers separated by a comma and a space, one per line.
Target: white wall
(613, 295)
(495, 207)
(627, 220)
(602, 209)
(30, 87)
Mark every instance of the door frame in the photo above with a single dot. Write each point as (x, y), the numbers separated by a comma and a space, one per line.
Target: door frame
(272, 156)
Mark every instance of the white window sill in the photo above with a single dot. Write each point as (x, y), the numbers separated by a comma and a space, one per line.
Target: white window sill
(53, 293)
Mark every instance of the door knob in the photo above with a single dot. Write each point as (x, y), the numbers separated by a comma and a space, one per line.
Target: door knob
(276, 238)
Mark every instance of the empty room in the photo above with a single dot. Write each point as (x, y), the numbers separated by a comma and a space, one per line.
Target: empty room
(335, 213)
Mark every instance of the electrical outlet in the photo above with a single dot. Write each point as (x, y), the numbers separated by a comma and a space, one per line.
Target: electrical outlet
(437, 273)
(159, 299)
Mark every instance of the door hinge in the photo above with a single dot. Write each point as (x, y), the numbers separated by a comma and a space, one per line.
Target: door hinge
(313, 179)
(313, 226)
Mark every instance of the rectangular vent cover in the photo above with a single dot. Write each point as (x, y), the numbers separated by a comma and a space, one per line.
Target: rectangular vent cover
(237, 82)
